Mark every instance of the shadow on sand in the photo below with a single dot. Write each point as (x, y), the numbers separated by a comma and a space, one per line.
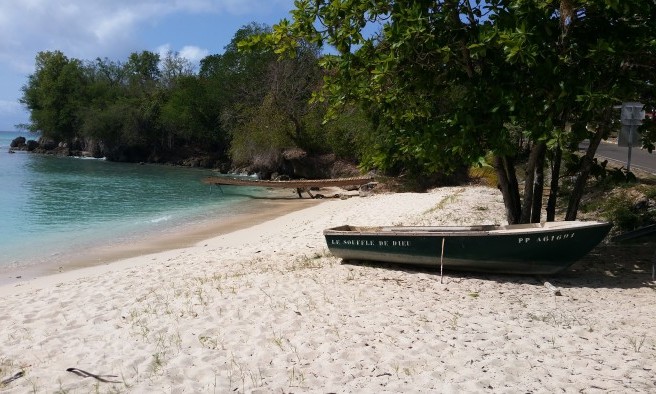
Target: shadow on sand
(618, 266)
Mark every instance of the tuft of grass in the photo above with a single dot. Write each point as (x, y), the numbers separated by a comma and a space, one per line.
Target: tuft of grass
(157, 363)
(450, 199)
(637, 343)
(485, 175)
(278, 339)
(453, 323)
(308, 262)
(296, 378)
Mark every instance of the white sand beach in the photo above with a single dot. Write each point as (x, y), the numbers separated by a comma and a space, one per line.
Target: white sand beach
(268, 309)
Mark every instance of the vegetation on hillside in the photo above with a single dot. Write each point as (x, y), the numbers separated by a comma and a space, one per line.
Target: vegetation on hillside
(238, 108)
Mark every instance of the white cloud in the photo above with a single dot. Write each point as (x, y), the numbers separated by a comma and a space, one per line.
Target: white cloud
(87, 29)
(193, 53)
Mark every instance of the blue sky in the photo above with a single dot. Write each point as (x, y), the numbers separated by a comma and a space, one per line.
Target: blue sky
(88, 29)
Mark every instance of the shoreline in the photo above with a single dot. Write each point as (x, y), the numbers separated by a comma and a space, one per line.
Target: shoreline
(170, 239)
(267, 309)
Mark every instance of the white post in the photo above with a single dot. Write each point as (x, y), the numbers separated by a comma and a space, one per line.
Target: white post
(442, 262)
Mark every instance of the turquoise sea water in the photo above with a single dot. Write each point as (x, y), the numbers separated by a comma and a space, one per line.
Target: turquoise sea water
(52, 207)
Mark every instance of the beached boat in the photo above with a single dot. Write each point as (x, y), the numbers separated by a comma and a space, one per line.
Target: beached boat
(538, 248)
(298, 184)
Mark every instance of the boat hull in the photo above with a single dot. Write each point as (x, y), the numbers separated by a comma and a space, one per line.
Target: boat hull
(521, 249)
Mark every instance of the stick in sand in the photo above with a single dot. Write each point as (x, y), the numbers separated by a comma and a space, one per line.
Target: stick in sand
(442, 262)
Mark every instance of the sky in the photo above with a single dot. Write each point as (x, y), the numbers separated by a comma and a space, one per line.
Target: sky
(113, 29)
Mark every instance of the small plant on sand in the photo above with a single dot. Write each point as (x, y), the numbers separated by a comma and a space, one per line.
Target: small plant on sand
(450, 199)
(518, 300)
(295, 350)
(35, 386)
(552, 341)
(157, 363)
(307, 262)
(296, 378)
(61, 390)
(125, 382)
(257, 379)
(453, 323)
(237, 371)
(422, 318)
(396, 368)
(203, 299)
(278, 340)
(211, 342)
(637, 343)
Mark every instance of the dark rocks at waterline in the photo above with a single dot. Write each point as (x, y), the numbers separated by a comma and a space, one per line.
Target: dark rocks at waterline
(21, 143)
(17, 142)
(84, 147)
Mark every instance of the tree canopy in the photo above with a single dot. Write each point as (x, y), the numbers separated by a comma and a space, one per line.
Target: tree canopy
(449, 81)
(238, 108)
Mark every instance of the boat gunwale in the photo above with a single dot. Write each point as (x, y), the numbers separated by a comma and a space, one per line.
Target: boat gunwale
(478, 230)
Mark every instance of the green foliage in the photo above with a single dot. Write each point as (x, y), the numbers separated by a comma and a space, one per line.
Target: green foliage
(251, 100)
(619, 197)
(54, 95)
(648, 132)
(347, 135)
(259, 141)
(442, 81)
(626, 214)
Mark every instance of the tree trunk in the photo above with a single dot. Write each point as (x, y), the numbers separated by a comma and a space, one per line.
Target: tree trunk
(584, 173)
(529, 183)
(539, 186)
(505, 168)
(555, 184)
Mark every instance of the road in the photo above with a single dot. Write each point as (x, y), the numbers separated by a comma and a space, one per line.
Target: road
(640, 158)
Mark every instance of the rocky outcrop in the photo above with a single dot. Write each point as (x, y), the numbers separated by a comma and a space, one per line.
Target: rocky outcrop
(21, 143)
(298, 164)
(17, 143)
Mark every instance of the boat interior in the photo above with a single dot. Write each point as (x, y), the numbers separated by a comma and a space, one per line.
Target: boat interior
(476, 228)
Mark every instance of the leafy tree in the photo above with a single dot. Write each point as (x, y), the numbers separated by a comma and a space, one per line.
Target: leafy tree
(258, 142)
(54, 94)
(447, 81)
(234, 87)
(191, 114)
(239, 76)
(174, 67)
(143, 71)
(291, 83)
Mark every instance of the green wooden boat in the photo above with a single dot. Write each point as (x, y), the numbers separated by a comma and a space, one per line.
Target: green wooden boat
(536, 248)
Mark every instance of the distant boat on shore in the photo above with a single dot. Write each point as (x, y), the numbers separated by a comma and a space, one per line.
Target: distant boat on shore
(298, 184)
(537, 248)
